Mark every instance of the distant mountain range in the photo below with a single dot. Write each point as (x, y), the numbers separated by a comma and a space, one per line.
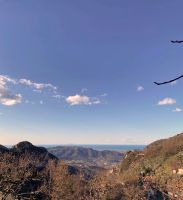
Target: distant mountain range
(77, 153)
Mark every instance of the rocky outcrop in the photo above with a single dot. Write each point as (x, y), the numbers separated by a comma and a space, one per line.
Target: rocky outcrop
(27, 148)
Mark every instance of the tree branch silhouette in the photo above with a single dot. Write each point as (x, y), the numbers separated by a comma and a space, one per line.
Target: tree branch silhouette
(176, 41)
(170, 81)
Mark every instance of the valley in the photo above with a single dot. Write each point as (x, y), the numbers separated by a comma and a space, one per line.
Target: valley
(30, 172)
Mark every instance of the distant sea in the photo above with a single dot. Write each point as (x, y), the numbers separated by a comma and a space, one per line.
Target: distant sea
(106, 147)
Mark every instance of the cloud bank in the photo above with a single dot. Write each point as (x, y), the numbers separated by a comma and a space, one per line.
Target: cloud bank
(8, 98)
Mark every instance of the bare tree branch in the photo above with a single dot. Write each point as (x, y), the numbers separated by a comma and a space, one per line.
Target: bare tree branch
(176, 41)
(166, 82)
(170, 81)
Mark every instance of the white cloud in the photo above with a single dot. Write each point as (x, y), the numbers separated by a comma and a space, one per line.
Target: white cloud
(177, 110)
(41, 102)
(5, 79)
(6, 97)
(78, 100)
(167, 101)
(11, 100)
(140, 88)
(37, 86)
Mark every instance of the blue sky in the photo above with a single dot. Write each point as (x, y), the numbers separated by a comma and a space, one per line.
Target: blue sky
(75, 72)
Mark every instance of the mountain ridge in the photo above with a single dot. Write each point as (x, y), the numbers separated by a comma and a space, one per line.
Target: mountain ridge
(155, 173)
(88, 157)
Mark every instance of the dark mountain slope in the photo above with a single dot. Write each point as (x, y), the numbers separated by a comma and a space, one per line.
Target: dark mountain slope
(3, 149)
(25, 147)
(30, 172)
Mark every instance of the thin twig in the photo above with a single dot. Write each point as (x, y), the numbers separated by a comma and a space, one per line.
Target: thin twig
(166, 82)
(176, 41)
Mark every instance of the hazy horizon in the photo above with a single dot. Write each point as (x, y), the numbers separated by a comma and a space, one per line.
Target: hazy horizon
(72, 144)
(98, 147)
